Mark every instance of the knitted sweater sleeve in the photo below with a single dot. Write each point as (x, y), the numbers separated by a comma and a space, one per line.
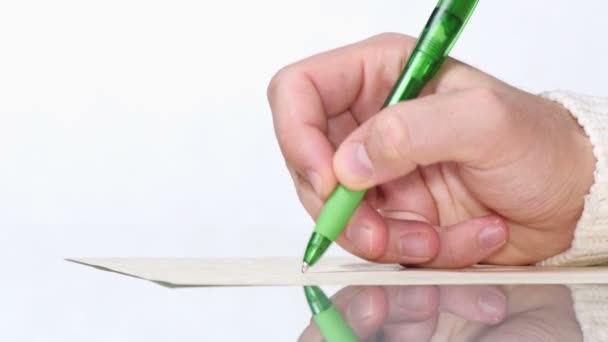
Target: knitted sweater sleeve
(590, 243)
(590, 307)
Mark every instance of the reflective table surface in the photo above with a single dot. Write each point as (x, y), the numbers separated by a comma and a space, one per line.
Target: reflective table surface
(61, 301)
(450, 313)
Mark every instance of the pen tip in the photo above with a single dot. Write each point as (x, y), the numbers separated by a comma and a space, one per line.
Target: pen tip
(304, 267)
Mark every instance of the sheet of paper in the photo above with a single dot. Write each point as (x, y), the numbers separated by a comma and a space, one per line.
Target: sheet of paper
(285, 271)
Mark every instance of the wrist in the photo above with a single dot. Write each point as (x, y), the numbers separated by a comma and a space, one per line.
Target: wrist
(589, 246)
(583, 164)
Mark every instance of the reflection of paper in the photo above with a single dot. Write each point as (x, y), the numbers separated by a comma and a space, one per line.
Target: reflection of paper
(330, 271)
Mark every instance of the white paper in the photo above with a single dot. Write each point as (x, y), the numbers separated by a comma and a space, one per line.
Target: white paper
(285, 271)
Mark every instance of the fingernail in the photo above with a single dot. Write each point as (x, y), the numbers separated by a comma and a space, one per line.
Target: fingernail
(361, 308)
(315, 181)
(358, 163)
(361, 237)
(415, 245)
(414, 298)
(492, 236)
(492, 304)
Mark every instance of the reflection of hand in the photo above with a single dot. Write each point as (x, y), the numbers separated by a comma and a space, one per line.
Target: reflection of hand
(446, 170)
(456, 313)
(536, 313)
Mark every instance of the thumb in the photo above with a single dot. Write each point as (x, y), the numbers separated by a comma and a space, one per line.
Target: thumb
(461, 126)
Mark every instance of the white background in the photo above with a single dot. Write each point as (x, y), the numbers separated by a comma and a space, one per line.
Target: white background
(141, 128)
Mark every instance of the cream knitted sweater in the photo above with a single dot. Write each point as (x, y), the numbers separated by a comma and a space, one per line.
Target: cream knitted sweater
(590, 243)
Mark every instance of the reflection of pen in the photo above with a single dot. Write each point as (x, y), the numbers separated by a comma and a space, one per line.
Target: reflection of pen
(329, 320)
(439, 35)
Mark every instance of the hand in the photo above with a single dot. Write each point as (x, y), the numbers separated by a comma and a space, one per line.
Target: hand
(456, 313)
(473, 171)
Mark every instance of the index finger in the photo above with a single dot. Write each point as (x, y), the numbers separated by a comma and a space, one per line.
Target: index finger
(305, 95)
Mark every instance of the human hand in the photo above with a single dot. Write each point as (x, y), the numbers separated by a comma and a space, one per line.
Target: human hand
(473, 171)
(456, 313)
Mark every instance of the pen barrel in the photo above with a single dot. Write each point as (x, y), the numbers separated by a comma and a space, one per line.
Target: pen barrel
(334, 327)
(432, 47)
(337, 211)
(445, 25)
(418, 70)
(460, 8)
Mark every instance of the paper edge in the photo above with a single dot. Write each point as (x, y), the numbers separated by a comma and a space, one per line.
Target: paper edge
(107, 269)
(468, 279)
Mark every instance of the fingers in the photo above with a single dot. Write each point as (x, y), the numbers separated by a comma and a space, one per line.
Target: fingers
(412, 331)
(411, 303)
(410, 242)
(410, 313)
(369, 309)
(413, 310)
(462, 126)
(387, 240)
(537, 312)
(485, 304)
(470, 242)
(366, 234)
(481, 303)
(365, 312)
(457, 246)
(305, 95)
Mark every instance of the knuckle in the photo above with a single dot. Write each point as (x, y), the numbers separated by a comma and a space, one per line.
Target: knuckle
(405, 45)
(493, 107)
(390, 138)
(395, 37)
(489, 100)
(486, 96)
(277, 82)
(273, 86)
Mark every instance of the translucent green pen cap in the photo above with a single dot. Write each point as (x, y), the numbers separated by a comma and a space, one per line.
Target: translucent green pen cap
(441, 31)
(444, 27)
(461, 9)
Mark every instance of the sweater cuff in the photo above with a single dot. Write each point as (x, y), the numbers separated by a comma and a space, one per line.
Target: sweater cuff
(590, 243)
(590, 308)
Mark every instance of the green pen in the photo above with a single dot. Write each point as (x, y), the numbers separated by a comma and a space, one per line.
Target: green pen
(432, 47)
(329, 320)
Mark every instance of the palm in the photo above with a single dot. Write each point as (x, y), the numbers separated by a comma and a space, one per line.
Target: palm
(448, 193)
(445, 194)
(434, 193)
